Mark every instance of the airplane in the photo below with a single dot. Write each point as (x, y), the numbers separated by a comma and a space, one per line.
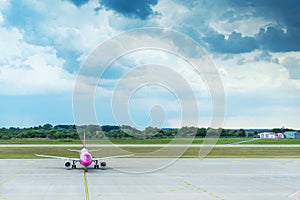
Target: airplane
(85, 158)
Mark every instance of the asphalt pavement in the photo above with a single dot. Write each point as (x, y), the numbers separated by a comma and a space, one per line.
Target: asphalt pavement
(152, 178)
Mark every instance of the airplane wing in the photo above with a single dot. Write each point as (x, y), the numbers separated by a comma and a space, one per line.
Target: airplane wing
(110, 157)
(75, 150)
(58, 157)
(93, 150)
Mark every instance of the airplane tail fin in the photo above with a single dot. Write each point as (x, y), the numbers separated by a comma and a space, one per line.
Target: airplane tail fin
(84, 143)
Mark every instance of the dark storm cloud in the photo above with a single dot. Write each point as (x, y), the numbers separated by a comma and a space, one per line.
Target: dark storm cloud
(277, 40)
(234, 44)
(285, 14)
(280, 35)
(134, 8)
(79, 3)
(269, 39)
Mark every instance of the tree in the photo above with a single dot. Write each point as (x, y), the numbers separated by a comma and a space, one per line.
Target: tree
(171, 133)
(211, 132)
(51, 134)
(150, 131)
(201, 132)
(187, 131)
(47, 126)
(223, 132)
(108, 128)
(135, 133)
(242, 133)
(251, 135)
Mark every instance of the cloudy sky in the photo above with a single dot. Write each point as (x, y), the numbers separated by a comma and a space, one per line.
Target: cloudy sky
(254, 45)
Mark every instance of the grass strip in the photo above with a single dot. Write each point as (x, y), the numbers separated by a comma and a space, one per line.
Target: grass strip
(190, 152)
(153, 141)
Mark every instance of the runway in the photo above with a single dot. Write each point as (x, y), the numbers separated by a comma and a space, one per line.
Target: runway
(127, 179)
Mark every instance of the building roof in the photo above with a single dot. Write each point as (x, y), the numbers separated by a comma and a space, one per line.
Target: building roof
(292, 132)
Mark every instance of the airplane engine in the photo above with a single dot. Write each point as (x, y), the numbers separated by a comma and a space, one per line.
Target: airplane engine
(68, 164)
(102, 164)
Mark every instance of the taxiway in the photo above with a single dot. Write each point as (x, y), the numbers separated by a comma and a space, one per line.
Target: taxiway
(150, 178)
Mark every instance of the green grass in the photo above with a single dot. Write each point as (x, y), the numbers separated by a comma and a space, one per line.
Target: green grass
(179, 141)
(123, 141)
(39, 141)
(153, 141)
(190, 152)
(255, 152)
(274, 141)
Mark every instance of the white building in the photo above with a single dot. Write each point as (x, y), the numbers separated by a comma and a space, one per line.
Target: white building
(270, 135)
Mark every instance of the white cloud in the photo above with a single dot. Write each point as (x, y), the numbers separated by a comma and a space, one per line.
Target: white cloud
(292, 64)
(243, 74)
(10, 44)
(37, 68)
(168, 15)
(272, 118)
(126, 69)
(73, 28)
(39, 78)
(4, 4)
(34, 69)
(259, 93)
(174, 78)
(247, 27)
(283, 55)
(199, 18)
(29, 69)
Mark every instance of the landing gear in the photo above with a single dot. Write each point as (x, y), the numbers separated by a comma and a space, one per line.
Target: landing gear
(73, 165)
(99, 164)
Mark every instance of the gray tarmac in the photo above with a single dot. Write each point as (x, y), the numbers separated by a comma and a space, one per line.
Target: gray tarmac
(211, 179)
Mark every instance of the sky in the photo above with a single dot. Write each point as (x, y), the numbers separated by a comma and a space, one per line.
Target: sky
(254, 45)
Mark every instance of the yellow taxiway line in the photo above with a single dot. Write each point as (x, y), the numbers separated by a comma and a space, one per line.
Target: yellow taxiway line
(86, 186)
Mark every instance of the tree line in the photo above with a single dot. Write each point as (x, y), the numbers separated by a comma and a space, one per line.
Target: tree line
(119, 132)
